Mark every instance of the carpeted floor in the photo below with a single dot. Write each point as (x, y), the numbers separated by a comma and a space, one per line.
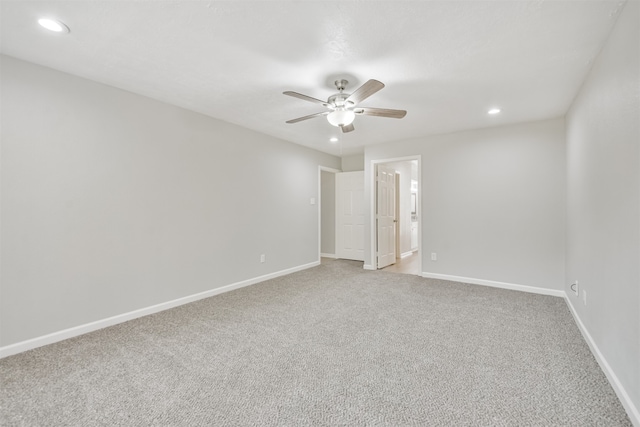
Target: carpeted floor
(332, 345)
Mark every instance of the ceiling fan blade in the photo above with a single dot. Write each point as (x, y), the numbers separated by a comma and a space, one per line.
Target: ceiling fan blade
(310, 116)
(381, 112)
(305, 97)
(365, 91)
(348, 128)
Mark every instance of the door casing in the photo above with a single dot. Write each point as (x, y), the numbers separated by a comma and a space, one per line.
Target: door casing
(373, 205)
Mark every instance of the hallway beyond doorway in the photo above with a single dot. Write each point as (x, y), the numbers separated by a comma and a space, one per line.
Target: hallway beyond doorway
(407, 265)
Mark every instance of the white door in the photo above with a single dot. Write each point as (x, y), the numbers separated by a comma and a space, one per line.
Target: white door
(385, 215)
(350, 215)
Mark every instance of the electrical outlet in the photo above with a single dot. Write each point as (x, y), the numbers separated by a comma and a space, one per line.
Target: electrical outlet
(434, 256)
(263, 258)
(574, 288)
(584, 297)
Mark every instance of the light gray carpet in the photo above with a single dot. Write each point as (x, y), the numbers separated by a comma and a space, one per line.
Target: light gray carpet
(332, 345)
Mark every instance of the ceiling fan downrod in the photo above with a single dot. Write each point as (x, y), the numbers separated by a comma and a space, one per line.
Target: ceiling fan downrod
(341, 84)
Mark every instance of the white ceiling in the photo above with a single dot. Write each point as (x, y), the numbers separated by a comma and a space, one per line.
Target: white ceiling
(445, 62)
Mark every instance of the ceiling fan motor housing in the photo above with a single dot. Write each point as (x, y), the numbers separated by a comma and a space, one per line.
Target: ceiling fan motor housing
(339, 100)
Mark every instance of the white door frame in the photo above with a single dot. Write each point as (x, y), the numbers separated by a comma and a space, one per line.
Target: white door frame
(373, 229)
(398, 225)
(320, 170)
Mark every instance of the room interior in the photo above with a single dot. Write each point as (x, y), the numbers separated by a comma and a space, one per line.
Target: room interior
(147, 162)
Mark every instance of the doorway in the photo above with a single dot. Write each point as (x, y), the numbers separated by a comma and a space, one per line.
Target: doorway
(326, 212)
(399, 214)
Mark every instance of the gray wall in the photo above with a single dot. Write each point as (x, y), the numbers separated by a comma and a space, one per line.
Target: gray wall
(113, 202)
(353, 163)
(603, 214)
(493, 202)
(328, 213)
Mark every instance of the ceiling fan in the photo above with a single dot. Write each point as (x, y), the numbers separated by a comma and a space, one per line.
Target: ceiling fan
(342, 108)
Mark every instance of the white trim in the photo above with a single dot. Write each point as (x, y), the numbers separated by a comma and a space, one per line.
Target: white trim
(372, 216)
(368, 267)
(632, 411)
(493, 284)
(406, 254)
(121, 318)
(328, 256)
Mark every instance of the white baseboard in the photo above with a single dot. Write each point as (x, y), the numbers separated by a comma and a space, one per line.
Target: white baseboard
(368, 267)
(328, 256)
(406, 254)
(632, 411)
(493, 284)
(121, 318)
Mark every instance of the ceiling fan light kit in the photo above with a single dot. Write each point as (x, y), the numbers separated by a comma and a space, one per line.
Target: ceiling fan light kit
(341, 105)
(341, 117)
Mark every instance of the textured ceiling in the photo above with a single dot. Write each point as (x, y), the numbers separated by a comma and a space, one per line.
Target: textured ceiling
(445, 62)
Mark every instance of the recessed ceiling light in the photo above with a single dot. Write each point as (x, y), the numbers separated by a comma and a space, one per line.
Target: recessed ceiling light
(493, 111)
(333, 139)
(53, 25)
